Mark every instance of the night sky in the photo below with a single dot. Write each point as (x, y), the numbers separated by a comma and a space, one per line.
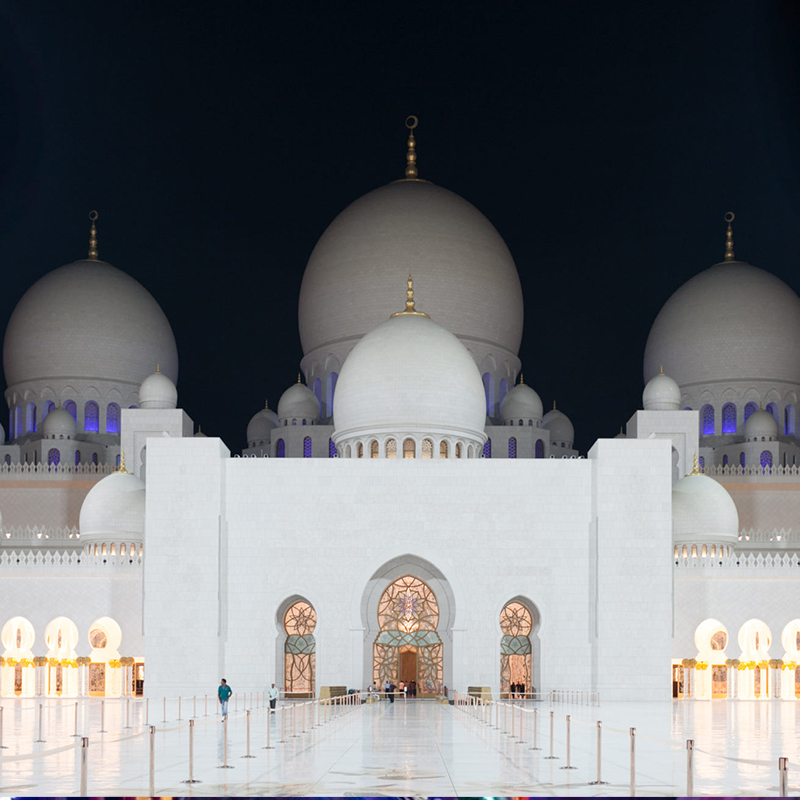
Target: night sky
(604, 141)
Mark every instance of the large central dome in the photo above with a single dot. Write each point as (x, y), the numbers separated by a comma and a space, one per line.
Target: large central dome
(469, 277)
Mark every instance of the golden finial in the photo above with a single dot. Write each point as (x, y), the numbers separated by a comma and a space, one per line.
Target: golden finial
(93, 237)
(266, 405)
(158, 368)
(409, 309)
(620, 429)
(299, 380)
(199, 428)
(696, 466)
(554, 405)
(661, 370)
(121, 467)
(729, 217)
(411, 155)
(521, 379)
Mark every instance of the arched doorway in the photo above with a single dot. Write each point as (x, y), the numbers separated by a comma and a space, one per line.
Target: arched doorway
(408, 650)
(519, 648)
(299, 620)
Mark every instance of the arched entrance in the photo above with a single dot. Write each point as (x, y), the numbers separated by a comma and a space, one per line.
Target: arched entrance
(297, 667)
(519, 648)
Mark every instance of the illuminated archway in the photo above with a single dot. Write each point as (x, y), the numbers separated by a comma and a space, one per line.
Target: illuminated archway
(296, 668)
(519, 652)
(17, 671)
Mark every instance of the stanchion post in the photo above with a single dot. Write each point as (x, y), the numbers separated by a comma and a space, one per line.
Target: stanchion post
(294, 720)
(269, 733)
(248, 735)
(520, 726)
(102, 716)
(496, 716)
(633, 762)
(179, 708)
(569, 744)
(127, 714)
(41, 738)
(74, 735)
(84, 766)
(690, 767)
(152, 761)
(282, 740)
(206, 703)
(535, 729)
(225, 764)
(599, 755)
(194, 708)
(165, 710)
(511, 734)
(551, 757)
(191, 754)
(147, 712)
(783, 777)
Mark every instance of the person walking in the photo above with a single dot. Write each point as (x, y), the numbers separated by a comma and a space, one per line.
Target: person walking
(223, 693)
(272, 693)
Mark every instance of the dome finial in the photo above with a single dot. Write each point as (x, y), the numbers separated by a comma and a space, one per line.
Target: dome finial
(266, 405)
(729, 217)
(121, 467)
(158, 368)
(93, 237)
(695, 466)
(661, 370)
(521, 379)
(554, 405)
(409, 309)
(411, 154)
(299, 380)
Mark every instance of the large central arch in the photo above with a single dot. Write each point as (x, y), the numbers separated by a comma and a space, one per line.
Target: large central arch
(434, 579)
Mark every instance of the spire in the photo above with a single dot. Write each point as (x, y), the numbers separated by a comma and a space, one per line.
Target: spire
(729, 217)
(299, 380)
(93, 237)
(661, 370)
(411, 154)
(266, 405)
(696, 466)
(121, 467)
(521, 379)
(554, 405)
(158, 368)
(409, 309)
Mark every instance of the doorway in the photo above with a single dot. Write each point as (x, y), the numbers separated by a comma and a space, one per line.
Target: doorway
(408, 665)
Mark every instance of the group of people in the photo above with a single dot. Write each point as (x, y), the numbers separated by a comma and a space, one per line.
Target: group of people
(224, 693)
(517, 690)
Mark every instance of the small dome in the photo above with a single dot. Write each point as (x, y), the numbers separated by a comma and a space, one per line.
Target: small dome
(410, 375)
(59, 424)
(259, 427)
(523, 403)
(298, 402)
(114, 510)
(760, 423)
(158, 391)
(561, 430)
(703, 512)
(661, 394)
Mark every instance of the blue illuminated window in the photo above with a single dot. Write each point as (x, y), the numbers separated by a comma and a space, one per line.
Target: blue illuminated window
(331, 449)
(707, 420)
(118, 460)
(19, 420)
(30, 421)
(503, 392)
(318, 389)
(91, 417)
(94, 459)
(766, 459)
(331, 391)
(702, 463)
(788, 416)
(512, 447)
(307, 447)
(8, 460)
(487, 449)
(729, 418)
(112, 418)
(539, 452)
(773, 409)
(53, 457)
(741, 460)
(72, 408)
(724, 461)
(77, 457)
(280, 449)
(749, 409)
(488, 388)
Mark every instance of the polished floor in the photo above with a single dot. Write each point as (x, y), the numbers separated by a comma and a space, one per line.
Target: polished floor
(406, 748)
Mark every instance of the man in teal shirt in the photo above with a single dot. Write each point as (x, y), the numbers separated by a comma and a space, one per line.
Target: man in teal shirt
(224, 692)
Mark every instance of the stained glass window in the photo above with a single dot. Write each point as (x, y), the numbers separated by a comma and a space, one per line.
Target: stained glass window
(539, 452)
(512, 447)
(307, 447)
(766, 459)
(408, 648)
(707, 420)
(53, 457)
(701, 463)
(77, 457)
(331, 449)
(773, 409)
(487, 449)
(299, 622)
(724, 461)
(361, 449)
(788, 416)
(91, 417)
(729, 418)
(516, 624)
(31, 421)
(458, 449)
(749, 409)
(280, 449)
(72, 408)
(391, 449)
(112, 418)
(741, 459)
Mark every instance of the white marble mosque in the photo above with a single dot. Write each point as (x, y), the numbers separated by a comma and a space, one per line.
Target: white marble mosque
(328, 552)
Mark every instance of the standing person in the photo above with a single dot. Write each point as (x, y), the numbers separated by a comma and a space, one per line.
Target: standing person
(392, 689)
(272, 693)
(224, 692)
(386, 687)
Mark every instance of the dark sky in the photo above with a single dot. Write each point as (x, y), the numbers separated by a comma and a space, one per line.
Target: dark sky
(605, 141)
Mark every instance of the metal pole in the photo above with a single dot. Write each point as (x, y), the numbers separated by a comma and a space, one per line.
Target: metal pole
(783, 777)
(40, 739)
(194, 708)
(74, 735)
(248, 735)
(179, 708)
(147, 711)
(535, 729)
(690, 768)
(512, 721)
(520, 727)
(102, 716)
(599, 755)
(152, 760)
(505, 716)
(191, 754)
(633, 762)
(283, 725)
(225, 764)
(128, 714)
(165, 710)
(206, 702)
(294, 720)
(269, 729)
(551, 756)
(569, 740)
(84, 765)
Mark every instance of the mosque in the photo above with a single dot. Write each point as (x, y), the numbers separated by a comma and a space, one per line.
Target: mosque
(328, 552)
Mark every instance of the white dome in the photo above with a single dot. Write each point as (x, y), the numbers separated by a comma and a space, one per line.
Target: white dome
(732, 322)
(117, 332)
(661, 394)
(468, 275)
(760, 423)
(114, 510)
(561, 430)
(260, 426)
(298, 402)
(59, 423)
(409, 375)
(523, 403)
(158, 391)
(703, 512)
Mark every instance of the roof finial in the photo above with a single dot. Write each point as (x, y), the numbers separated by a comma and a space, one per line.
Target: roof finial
(266, 405)
(661, 370)
(121, 465)
(696, 466)
(521, 379)
(93, 237)
(158, 368)
(409, 309)
(554, 405)
(729, 217)
(411, 154)
(298, 378)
